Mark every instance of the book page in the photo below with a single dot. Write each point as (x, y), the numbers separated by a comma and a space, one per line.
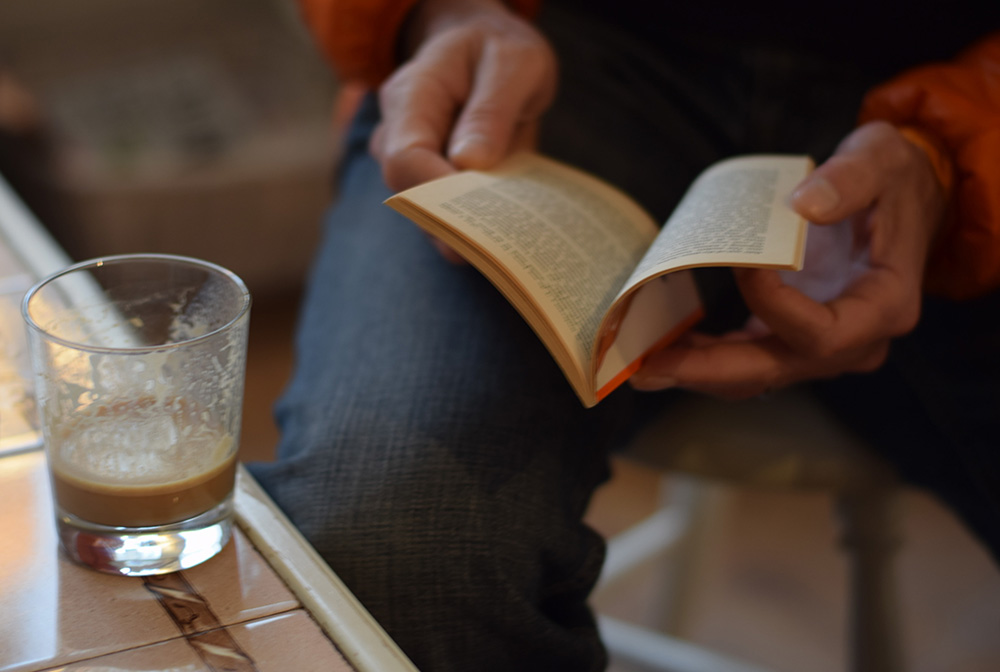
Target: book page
(657, 313)
(734, 214)
(569, 240)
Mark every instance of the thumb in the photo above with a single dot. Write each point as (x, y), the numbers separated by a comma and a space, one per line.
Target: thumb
(849, 181)
(836, 190)
(815, 198)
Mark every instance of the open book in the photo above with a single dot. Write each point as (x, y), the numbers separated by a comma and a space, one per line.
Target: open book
(599, 282)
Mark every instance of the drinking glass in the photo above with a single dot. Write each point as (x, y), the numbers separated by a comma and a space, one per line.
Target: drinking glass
(139, 362)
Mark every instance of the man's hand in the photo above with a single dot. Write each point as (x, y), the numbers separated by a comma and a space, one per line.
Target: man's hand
(841, 314)
(475, 87)
(477, 82)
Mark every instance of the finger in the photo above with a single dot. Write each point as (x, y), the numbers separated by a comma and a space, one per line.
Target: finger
(406, 167)
(513, 85)
(716, 364)
(785, 310)
(412, 166)
(868, 310)
(737, 368)
(841, 186)
(417, 114)
(851, 179)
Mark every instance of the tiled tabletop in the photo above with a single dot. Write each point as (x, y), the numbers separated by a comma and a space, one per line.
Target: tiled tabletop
(266, 603)
(231, 613)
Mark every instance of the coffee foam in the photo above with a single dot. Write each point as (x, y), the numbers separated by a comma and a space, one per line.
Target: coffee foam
(137, 443)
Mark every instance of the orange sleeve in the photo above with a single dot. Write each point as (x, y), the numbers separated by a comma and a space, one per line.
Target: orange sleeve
(952, 111)
(358, 37)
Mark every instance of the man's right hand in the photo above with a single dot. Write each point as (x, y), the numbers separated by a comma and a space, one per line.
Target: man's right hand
(474, 86)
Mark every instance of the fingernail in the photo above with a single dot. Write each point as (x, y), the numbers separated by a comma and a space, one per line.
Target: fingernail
(815, 198)
(470, 150)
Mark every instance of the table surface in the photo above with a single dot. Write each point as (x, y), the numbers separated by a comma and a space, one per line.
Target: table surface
(266, 603)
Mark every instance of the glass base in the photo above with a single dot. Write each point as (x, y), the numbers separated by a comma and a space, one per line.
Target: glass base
(144, 551)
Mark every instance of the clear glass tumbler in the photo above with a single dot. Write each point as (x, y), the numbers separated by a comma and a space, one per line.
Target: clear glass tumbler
(139, 362)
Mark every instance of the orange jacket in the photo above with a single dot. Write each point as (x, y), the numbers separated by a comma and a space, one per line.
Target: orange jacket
(955, 109)
(951, 110)
(358, 37)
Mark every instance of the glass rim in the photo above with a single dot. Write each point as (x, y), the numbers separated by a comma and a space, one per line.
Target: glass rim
(98, 262)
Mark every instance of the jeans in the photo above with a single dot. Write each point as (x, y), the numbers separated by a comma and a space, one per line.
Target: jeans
(433, 453)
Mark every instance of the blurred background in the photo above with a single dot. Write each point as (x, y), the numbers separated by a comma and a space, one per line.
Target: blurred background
(208, 128)
(198, 127)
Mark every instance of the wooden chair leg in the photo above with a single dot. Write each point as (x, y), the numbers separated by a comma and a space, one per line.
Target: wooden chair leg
(871, 537)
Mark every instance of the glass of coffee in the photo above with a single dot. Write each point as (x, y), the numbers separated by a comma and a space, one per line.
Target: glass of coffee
(139, 363)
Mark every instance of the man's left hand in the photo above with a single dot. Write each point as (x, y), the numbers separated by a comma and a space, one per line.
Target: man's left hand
(854, 295)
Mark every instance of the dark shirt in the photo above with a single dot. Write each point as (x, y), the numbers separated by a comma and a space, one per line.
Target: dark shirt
(883, 36)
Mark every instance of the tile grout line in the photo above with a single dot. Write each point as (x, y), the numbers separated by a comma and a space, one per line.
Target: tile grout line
(198, 624)
(60, 667)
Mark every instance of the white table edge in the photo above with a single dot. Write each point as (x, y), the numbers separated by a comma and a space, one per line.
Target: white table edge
(26, 236)
(356, 633)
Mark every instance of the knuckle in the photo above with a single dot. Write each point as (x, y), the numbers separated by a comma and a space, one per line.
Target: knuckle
(880, 130)
(390, 90)
(526, 57)
(895, 151)
(484, 112)
(875, 148)
(877, 133)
